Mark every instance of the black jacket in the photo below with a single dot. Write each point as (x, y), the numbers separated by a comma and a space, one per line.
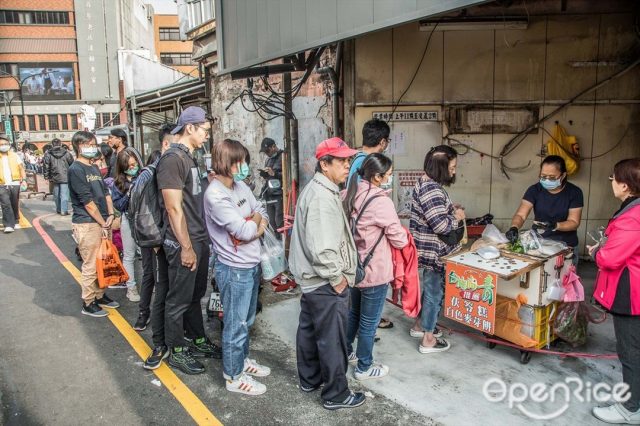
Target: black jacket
(56, 164)
(274, 163)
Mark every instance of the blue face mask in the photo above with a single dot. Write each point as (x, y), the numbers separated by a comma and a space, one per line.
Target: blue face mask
(242, 173)
(549, 184)
(132, 172)
(388, 184)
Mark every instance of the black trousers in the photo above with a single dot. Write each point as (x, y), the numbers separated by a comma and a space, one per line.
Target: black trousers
(276, 219)
(627, 330)
(186, 288)
(321, 342)
(15, 201)
(6, 203)
(149, 268)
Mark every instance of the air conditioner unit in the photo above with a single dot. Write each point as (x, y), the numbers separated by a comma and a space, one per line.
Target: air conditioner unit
(474, 24)
(150, 12)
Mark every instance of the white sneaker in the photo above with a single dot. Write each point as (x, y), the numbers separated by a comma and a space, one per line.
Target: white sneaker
(352, 358)
(17, 226)
(8, 230)
(375, 371)
(133, 295)
(616, 413)
(255, 369)
(247, 385)
(437, 333)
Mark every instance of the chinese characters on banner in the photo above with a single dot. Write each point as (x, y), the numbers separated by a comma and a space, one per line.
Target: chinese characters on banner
(470, 297)
(406, 115)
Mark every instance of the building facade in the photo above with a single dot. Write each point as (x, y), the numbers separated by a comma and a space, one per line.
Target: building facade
(170, 49)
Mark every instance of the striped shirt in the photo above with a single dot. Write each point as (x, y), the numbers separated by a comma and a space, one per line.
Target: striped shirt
(431, 214)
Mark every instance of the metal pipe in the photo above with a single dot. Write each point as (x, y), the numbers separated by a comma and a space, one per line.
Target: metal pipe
(502, 103)
(335, 92)
(172, 95)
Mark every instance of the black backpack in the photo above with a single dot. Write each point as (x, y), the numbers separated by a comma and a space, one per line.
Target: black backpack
(145, 215)
(361, 266)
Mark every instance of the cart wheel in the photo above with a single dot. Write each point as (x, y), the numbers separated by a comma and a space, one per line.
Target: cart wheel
(525, 357)
(491, 345)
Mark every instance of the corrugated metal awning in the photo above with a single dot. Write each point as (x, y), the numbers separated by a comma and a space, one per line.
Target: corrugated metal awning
(37, 45)
(252, 32)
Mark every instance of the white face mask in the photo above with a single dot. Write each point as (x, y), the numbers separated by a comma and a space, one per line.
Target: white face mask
(5, 148)
(388, 184)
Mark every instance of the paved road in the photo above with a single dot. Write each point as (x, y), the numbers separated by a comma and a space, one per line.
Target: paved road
(60, 367)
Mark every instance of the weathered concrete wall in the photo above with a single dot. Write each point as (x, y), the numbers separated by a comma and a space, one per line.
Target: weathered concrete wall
(312, 108)
(511, 67)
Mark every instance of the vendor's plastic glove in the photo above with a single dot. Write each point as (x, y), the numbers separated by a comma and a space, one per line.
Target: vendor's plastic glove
(544, 226)
(512, 235)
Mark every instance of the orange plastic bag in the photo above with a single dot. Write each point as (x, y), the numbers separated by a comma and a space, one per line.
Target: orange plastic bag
(108, 265)
(508, 324)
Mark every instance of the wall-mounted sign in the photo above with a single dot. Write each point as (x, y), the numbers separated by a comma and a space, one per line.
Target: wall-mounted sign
(406, 115)
(41, 81)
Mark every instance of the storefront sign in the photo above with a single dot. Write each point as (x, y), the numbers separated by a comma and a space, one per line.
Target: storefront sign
(409, 177)
(470, 297)
(406, 115)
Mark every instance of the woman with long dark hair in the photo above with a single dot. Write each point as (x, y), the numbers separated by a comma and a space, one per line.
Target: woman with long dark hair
(556, 204)
(128, 165)
(617, 286)
(435, 225)
(376, 228)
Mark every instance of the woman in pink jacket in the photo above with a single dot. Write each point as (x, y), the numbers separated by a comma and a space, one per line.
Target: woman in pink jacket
(618, 286)
(377, 227)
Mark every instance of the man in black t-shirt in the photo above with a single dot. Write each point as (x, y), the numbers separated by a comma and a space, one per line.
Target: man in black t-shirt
(184, 257)
(92, 217)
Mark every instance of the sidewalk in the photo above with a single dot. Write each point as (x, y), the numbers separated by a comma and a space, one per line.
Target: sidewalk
(448, 387)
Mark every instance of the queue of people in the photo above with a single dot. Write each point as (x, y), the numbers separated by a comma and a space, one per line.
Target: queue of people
(341, 252)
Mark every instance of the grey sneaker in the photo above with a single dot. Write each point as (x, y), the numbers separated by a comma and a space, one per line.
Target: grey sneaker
(93, 310)
(182, 359)
(106, 302)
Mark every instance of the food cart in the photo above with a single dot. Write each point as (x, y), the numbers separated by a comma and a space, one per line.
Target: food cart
(506, 296)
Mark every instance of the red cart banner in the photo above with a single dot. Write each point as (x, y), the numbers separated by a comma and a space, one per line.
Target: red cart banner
(470, 297)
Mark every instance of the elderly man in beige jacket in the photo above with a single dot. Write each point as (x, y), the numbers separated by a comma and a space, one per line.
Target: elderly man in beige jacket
(323, 259)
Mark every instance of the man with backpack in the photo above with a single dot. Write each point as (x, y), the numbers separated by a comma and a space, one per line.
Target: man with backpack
(375, 139)
(323, 259)
(56, 164)
(183, 258)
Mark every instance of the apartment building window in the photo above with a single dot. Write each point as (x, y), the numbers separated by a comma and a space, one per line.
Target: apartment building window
(19, 124)
(176, 58)
(169, 34)
(43, 122)
(106, 118)
(74, 122)
(116, 119)
(30, 17)
(53, 122)
(98, 120)
(32, 122)
(64, 121)
(8, 69)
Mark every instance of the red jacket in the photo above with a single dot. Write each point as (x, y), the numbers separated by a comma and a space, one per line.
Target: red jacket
(405, 271)
(618, 263)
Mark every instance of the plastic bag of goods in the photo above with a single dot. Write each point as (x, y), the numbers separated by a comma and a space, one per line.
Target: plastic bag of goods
(491, 232)
(272, 257)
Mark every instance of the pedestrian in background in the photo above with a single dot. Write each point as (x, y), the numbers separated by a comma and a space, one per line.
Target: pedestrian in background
(12, 176)
(272, 189)
(236, 221)
(323, 261)
(91, 220)
(117, 140)
(55, 169)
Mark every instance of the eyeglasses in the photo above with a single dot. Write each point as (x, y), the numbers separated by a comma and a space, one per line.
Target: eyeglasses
(207, 131)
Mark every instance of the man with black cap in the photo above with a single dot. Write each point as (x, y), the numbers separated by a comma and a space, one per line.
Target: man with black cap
(117, 140)
(272, 189)
(183, 260)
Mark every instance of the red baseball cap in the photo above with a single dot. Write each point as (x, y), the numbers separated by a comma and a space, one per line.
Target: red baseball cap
(334, 147)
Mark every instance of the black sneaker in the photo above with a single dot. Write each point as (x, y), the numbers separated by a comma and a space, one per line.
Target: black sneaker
(93, 310)
(309, 389)
(182, 359)
(155, 359)
(355, 399)
(204, 348)
(141, 323)
(106, 302)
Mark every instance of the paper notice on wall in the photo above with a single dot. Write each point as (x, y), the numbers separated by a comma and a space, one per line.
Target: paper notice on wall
(406, 181)
(397, 144)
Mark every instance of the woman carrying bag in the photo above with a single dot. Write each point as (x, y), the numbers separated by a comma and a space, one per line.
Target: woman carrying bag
(376, 228)
(236, 221)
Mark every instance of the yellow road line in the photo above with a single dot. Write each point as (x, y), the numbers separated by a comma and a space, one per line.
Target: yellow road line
(24, 223)
(191, 403)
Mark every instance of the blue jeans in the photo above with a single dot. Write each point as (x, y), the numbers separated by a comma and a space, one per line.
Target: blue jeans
(364, 316)
(432, 298)
(61, 197)
(239, 294)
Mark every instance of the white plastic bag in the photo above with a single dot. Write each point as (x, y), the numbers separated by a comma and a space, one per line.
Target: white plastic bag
(272, 258)
(491, 232)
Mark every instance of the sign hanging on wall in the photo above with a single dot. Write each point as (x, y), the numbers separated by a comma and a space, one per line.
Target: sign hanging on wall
(406, 115)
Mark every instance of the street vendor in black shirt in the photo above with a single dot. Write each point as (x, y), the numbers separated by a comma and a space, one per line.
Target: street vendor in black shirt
(556, 203)
(272, 189)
